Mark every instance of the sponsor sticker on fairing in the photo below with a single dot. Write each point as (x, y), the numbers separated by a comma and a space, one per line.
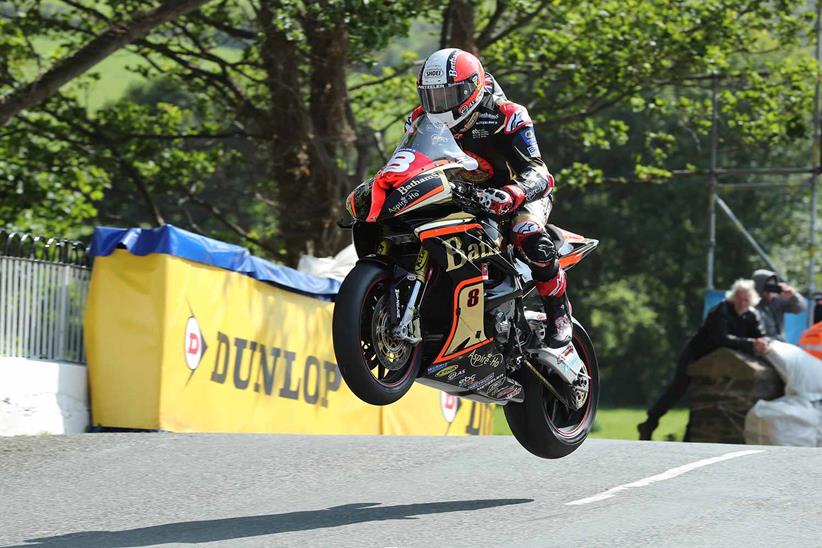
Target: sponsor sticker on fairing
(570, 360)
(447, 370)
(485, 381)
(406, 200)
(481, 360)
(467, 381)
(495, 385)
(406, 188)
(434, 368)
(456, 374)
(508, 392)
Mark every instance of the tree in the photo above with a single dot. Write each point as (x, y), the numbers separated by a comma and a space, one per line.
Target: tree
(281, 85)
(118, 35)
(301, 84)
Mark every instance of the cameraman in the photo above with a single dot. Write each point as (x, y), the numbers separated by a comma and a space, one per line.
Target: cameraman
(777, 299)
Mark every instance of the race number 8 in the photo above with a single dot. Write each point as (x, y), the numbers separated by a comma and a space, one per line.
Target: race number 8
(400, 162)
(473, 297)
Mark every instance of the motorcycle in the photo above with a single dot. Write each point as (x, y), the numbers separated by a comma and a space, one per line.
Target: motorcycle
(438, 297)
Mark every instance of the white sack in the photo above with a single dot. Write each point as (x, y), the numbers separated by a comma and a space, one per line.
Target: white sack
(336, 267)
(801, 371)
(789, 420)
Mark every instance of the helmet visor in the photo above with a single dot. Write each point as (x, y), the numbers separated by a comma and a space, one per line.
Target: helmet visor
(439, 98)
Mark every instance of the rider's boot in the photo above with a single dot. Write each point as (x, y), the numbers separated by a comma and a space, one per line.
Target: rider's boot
(558, 327)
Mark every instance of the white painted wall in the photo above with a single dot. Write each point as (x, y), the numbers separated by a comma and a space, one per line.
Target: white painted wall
(39, 397)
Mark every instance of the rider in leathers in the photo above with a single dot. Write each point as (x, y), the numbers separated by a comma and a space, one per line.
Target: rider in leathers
(455, 90)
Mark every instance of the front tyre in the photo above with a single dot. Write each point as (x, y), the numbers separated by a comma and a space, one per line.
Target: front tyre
(543, 425)
(376, 367)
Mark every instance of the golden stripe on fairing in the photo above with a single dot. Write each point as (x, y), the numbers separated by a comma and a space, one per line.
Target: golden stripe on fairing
(468, 328)
(454, 219)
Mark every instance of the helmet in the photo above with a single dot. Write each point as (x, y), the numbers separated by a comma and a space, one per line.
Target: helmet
(451, 83)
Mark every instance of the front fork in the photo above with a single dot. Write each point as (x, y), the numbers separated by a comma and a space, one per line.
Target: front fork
(408, 324)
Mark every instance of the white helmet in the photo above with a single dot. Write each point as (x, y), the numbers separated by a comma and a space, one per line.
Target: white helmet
(451, 84)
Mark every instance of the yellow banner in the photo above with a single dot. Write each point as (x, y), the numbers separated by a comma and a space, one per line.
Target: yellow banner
(424, 410)
(182, 346)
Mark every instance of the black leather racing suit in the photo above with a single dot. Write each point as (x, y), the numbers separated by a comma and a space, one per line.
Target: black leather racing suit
(499, 134)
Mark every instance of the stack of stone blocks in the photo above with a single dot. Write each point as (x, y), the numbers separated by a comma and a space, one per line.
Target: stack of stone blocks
(724, 385)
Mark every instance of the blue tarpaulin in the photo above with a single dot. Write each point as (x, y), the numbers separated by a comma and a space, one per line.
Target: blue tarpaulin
(171, 240)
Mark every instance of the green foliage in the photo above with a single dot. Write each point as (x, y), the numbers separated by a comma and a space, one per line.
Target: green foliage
(581, 60)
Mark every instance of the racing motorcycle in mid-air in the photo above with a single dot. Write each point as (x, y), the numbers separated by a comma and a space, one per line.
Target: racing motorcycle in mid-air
(438, 296)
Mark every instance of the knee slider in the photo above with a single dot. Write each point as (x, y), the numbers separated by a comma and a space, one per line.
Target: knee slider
(539, 249)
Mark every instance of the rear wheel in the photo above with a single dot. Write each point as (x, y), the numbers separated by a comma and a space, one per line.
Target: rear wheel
(378, 368)
(543, 425)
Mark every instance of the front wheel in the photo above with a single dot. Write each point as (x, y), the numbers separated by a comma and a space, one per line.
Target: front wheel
(376, 367)
(542, 424)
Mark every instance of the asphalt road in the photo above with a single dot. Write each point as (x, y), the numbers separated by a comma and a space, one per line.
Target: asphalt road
(246, 490)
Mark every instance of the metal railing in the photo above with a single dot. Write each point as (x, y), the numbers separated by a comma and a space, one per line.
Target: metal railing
(43, 290)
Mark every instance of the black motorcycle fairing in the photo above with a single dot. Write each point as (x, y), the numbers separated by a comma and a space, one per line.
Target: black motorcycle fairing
(468, 362)
(474, 277)
(366, 236)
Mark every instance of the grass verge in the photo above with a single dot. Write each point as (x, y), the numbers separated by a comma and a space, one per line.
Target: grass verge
(619, 423)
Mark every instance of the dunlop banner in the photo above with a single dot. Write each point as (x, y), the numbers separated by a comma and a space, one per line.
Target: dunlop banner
(183, 346)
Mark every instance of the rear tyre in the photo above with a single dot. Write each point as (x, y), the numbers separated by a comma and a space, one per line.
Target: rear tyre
(376, 367)
(543, 425)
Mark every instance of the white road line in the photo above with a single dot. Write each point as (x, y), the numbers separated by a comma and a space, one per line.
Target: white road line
(668, 474)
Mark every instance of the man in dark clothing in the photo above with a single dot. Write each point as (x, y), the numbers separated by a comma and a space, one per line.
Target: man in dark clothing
(778, 298)
(734, 323)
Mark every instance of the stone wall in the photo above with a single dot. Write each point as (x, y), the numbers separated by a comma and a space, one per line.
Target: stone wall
(725, 384)
(42, 397)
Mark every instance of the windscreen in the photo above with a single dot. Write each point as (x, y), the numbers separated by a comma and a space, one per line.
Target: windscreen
(424, 146)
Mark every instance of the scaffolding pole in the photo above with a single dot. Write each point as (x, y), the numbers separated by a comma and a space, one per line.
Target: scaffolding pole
(712, 183)
(815, 155)
(748, 236)
(760, 186)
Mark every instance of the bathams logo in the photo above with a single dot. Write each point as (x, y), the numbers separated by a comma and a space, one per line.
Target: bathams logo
(456, 256)
(413, 183)
(195, 345)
